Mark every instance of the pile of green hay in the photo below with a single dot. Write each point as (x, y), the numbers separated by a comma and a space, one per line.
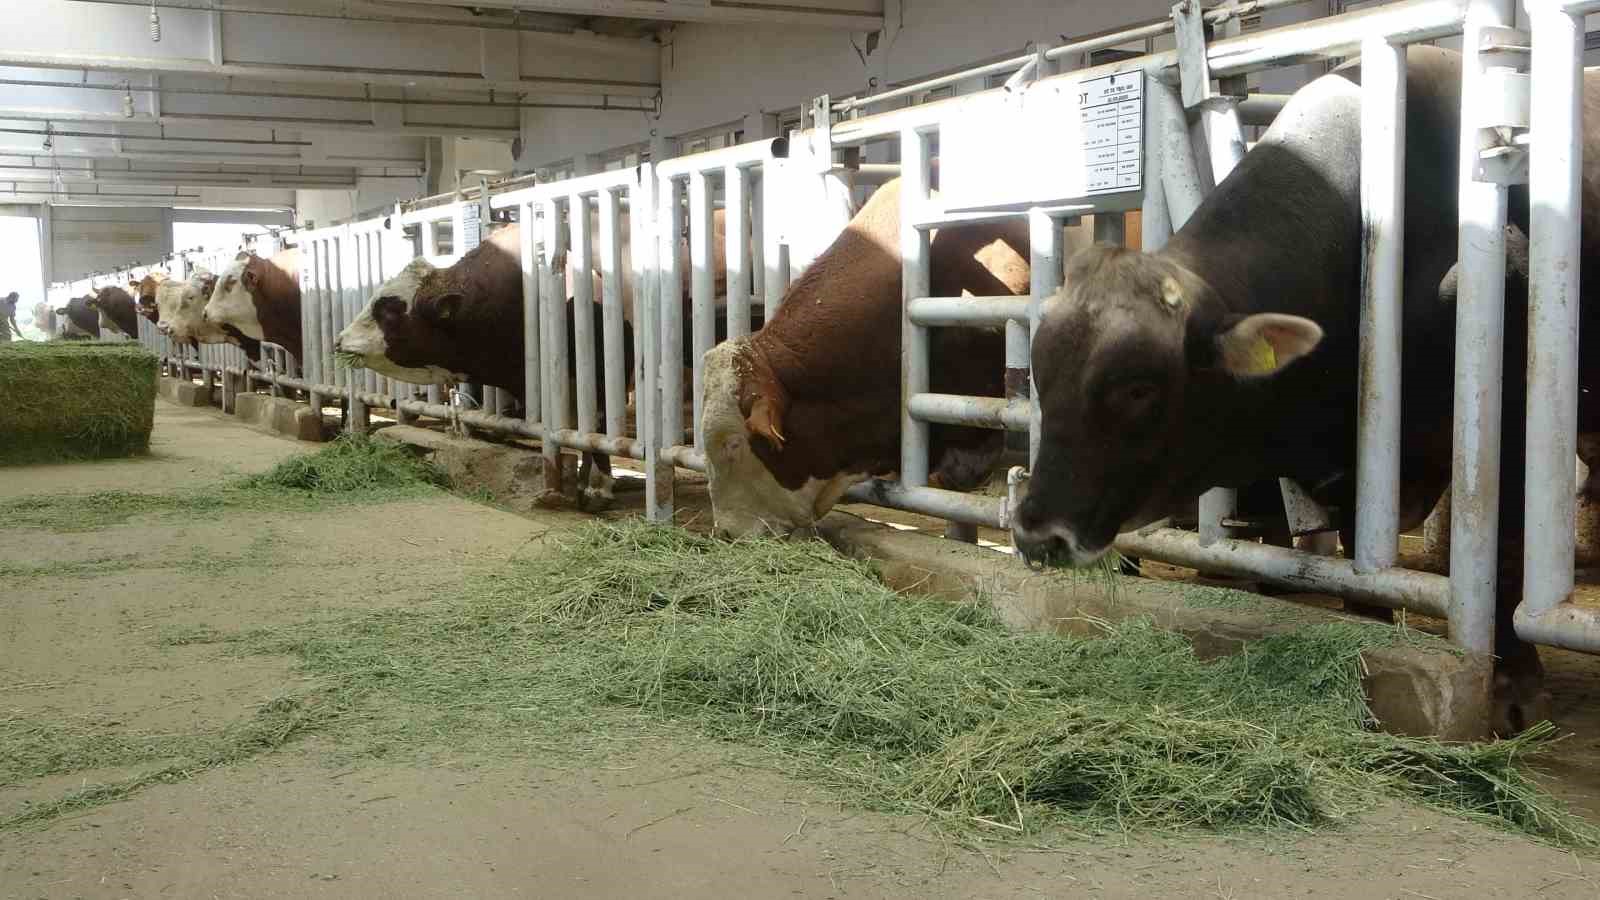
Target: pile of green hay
(934, 707)
(75, 400)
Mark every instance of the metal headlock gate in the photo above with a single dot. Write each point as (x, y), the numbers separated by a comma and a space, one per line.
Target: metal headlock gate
(1165, 163)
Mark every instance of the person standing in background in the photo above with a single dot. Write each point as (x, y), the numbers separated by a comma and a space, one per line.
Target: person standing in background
(8, 318)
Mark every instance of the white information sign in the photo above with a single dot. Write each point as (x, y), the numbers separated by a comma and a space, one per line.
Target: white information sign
(472, 225)
(1054, 144)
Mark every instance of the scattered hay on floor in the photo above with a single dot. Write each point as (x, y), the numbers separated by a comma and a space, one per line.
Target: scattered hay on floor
(351, 469)
(68, 400)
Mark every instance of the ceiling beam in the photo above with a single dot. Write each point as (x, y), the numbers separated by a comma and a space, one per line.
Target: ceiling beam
(442, 128)
(853, 15)
(104, 37)
(362, 11)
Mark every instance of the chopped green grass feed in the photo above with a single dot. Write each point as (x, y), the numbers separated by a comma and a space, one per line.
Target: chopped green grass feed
(909, 704)
(68, 400)
(351, 469)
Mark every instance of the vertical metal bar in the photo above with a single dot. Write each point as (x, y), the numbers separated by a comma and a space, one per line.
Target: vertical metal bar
(611, 276)
(1555, 174)
(774, 253)
(325, 266)
(1045, 276)
(915, 277)
(735, 206)
(757, 273)
(527, 221)
(557, 413)
(1180, 176)
(1480, 365)
(581, 265)
(1155, 222)
(1383, 141)
(669, 227)
(702, 289)
(659, 476)
(430, 238)
(357, 418)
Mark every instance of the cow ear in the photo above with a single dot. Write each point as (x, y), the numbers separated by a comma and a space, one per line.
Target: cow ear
(766, 420)
(249, 278)
(447, 307)
(1264, 343)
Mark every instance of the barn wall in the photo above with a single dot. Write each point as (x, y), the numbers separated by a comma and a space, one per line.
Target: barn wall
(715, 75)
(85, 240)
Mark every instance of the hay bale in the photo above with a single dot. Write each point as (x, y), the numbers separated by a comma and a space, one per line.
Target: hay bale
(75, 400)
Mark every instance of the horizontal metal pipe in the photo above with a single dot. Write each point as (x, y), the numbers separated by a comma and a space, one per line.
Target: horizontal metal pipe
(1405, 22)
(140, 137)
(972, 311)
(600, 443)
(977, 412)
(971, 509)
(714, 161)
(1261, 109)
(475, 418)
(581, 186)
(684, 457)
(1420, 592)
(875, 173)
(1564, 625)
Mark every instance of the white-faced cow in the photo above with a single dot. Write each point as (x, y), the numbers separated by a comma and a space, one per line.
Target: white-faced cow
(116, 309)
(798, 412)
(464, 324)
(1231, 355)
(258, 300)
(180, 306)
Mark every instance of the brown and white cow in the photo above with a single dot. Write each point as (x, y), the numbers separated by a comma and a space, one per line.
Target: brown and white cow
(464, 324)
(116, 309)
(180, 305)
(144, 293)
(801, 410)
(259, 300)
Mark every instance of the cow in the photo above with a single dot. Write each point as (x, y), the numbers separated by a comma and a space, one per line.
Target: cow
(144, 291)
(1232, 354)
(8, 318)
(796, 413)
(258, 300)
(79, 320)
(464, 324)
(180, 305)
(116, 309)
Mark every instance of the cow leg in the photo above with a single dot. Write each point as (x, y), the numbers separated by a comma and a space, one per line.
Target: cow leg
(596, 467)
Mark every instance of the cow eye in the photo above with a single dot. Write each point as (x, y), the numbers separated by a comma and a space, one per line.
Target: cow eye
(1133, 399)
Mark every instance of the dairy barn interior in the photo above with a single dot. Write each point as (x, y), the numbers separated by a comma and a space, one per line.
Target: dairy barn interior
(868, 448)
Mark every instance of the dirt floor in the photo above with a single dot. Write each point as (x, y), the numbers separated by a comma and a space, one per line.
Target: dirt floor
(670, 817)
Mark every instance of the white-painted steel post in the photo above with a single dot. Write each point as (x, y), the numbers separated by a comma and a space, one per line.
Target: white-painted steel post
(735, 205)
(659, 475)
(757, 273)
(1480, 364)
(703, 290)
(915, 278)
(611, 276)
(581, 265)
(669, 226)
(557, 410)
(1383, 142)
(1155, 222)
(1555, 257)
(527, 250)
(774, 253)
(1045, 277)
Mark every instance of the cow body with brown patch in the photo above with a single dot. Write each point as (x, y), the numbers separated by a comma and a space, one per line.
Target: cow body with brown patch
(797, 412)
(116, 309)
(258, 300)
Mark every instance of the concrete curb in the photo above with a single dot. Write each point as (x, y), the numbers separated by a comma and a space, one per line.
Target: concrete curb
(279, 415)
(1412, 690)
(183, 393)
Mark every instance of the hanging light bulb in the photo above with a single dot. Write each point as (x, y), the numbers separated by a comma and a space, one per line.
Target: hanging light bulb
(49, 139)
(127, 101)
(155, 23)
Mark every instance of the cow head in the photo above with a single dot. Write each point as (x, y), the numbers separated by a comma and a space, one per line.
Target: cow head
(407, 332)
(233, 302)
(742, 413)
(1129, 336)
(180, 306)
(144, 292)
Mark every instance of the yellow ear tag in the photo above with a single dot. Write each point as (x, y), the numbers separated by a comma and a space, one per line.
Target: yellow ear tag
(1260, 359)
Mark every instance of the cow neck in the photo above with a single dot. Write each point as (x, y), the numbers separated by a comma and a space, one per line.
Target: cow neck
(489, 279)
(277, 299)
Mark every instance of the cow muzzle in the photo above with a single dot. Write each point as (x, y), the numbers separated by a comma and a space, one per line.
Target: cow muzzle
(1053, 548)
